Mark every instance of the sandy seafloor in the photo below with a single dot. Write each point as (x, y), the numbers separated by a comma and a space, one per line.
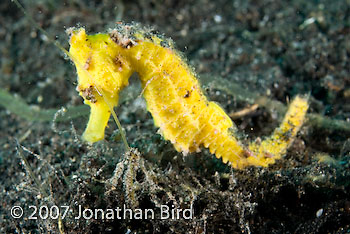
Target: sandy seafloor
(242, 51)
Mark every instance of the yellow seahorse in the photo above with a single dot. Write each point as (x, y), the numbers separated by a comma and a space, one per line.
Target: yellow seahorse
(185, 117)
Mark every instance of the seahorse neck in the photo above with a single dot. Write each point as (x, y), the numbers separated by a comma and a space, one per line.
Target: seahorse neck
(146, 59)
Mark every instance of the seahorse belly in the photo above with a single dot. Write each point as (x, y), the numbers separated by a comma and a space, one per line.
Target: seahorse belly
(164, 98)
(178, 106)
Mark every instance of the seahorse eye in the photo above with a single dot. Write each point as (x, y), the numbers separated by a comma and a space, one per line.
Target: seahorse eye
(118, 63)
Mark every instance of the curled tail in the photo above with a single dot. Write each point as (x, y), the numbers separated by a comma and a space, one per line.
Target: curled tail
(217, 135)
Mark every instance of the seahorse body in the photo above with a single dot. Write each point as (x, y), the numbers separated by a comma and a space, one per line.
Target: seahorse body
(173, 95)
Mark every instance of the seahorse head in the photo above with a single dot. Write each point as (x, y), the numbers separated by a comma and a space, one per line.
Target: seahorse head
(99, 63)
(102, 72)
